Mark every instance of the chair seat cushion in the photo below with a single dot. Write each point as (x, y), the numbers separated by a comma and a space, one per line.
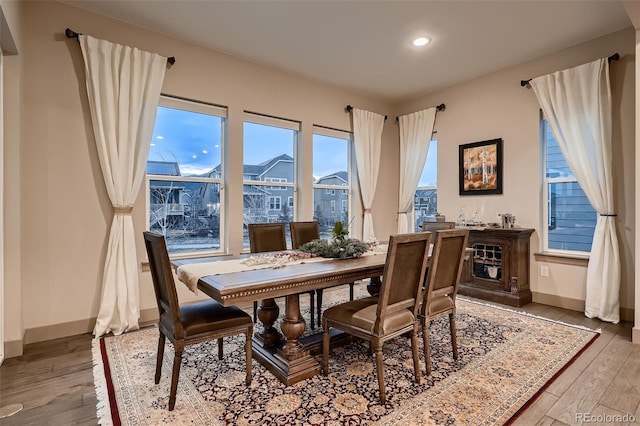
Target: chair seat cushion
(209, 316)
(440, 305)
(361, 313)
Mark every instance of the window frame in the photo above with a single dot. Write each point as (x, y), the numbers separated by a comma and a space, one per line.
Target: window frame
(545, 201)
(423, 210)
(268, 183)
(342, 189)
(200, 107)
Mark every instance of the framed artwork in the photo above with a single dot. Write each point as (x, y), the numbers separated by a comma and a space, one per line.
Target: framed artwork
(480, 166)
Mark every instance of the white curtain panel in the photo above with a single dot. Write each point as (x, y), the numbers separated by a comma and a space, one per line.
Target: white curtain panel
(577, 104)
(123, 87)
(367, 138)
(415, 135)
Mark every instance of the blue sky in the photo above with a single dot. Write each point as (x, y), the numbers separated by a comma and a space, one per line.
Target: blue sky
(194, 141)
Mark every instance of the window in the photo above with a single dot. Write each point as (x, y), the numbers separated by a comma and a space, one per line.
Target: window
(269, 156)
(275, 179)
(425, 200)
(569, 220)
(331, 177)
(185, 175)
(274, 203)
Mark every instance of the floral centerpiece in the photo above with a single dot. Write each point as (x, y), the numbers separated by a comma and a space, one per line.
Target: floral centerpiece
(338, 247)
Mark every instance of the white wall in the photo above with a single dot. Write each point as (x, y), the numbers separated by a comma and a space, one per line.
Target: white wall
(496, 106)
(65, 213)
(57, 211)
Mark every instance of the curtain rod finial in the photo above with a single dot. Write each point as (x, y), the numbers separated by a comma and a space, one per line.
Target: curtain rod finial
(70, 33)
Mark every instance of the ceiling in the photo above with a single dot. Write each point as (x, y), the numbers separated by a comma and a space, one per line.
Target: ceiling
(365, 46)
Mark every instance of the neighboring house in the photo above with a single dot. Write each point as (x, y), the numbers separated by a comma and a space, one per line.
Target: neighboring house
(262, 203)
(425, 203)
(166, 206)
(331, 204)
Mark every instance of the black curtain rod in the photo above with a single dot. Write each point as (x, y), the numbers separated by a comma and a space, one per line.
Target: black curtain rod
(440, 107)
(72, 34)
(614, 57)
(349, 108)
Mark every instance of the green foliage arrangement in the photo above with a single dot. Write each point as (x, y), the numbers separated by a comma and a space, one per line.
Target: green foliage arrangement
(339, 247)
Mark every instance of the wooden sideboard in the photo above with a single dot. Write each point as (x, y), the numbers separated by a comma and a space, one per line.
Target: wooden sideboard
(498, 270)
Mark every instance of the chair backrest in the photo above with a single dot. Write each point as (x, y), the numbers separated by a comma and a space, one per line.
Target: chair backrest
(267, 237)
(161, 275)
(404, 273)
(436, 226)
(447, 258)
(303, 232)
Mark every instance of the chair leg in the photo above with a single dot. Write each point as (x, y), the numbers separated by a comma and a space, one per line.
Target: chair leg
(255, 312)
(312, 298)
(177, 360)
(319, 303)
(351, 284)
(416, 356)
(427, 352)
(454, 334)
(161, 341)
(220, 348)
(380, 372)
(249, 353)
(325, 347)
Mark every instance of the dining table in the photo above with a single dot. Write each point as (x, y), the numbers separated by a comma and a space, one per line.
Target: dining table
(241, 280)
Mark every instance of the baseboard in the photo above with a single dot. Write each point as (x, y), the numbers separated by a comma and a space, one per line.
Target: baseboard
(72, 328)
(635, 335)
(626, 314)
(13, 348)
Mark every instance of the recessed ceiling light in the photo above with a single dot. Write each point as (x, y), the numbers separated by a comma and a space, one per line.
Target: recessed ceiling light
(421, 41)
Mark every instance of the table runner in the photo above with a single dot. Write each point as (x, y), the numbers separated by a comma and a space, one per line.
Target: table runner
(190, 274)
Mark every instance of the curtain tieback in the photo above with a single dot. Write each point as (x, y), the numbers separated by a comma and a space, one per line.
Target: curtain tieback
(122, 209)
(367, 210)
(609, 214)
(403, 212)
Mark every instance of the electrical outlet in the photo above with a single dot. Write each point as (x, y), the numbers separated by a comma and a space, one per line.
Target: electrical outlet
(544, 270)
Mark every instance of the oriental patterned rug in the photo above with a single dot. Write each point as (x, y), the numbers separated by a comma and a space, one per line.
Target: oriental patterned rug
(506, 359)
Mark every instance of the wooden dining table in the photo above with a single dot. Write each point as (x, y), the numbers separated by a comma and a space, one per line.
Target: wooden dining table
(283, 352)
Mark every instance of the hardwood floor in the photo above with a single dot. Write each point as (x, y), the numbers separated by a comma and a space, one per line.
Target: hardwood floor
(54, 380)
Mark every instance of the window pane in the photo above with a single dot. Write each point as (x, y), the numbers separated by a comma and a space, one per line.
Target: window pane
(268, 157)
(425, 202)
(268, 152)
(330, 160)
(330, 168)
(572, 220)
(189, 139)
(556, 165)
(186, 213)
(186, 145)
(262, 206)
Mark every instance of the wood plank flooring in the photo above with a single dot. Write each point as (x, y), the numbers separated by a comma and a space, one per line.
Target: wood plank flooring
(54, 380)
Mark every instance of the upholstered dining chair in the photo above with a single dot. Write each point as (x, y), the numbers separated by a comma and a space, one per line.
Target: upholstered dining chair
(393, 312)
(436, 226)
(301, 233)
(265, 237)
(189, 324)
(443, 277)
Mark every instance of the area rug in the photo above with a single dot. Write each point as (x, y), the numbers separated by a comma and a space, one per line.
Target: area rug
(506, 359)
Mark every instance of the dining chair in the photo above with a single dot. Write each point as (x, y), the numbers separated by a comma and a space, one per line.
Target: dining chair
(190, 324)
(302, 233)
(393, 312)
(436, 226)
(443, 278)
(265, 237)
